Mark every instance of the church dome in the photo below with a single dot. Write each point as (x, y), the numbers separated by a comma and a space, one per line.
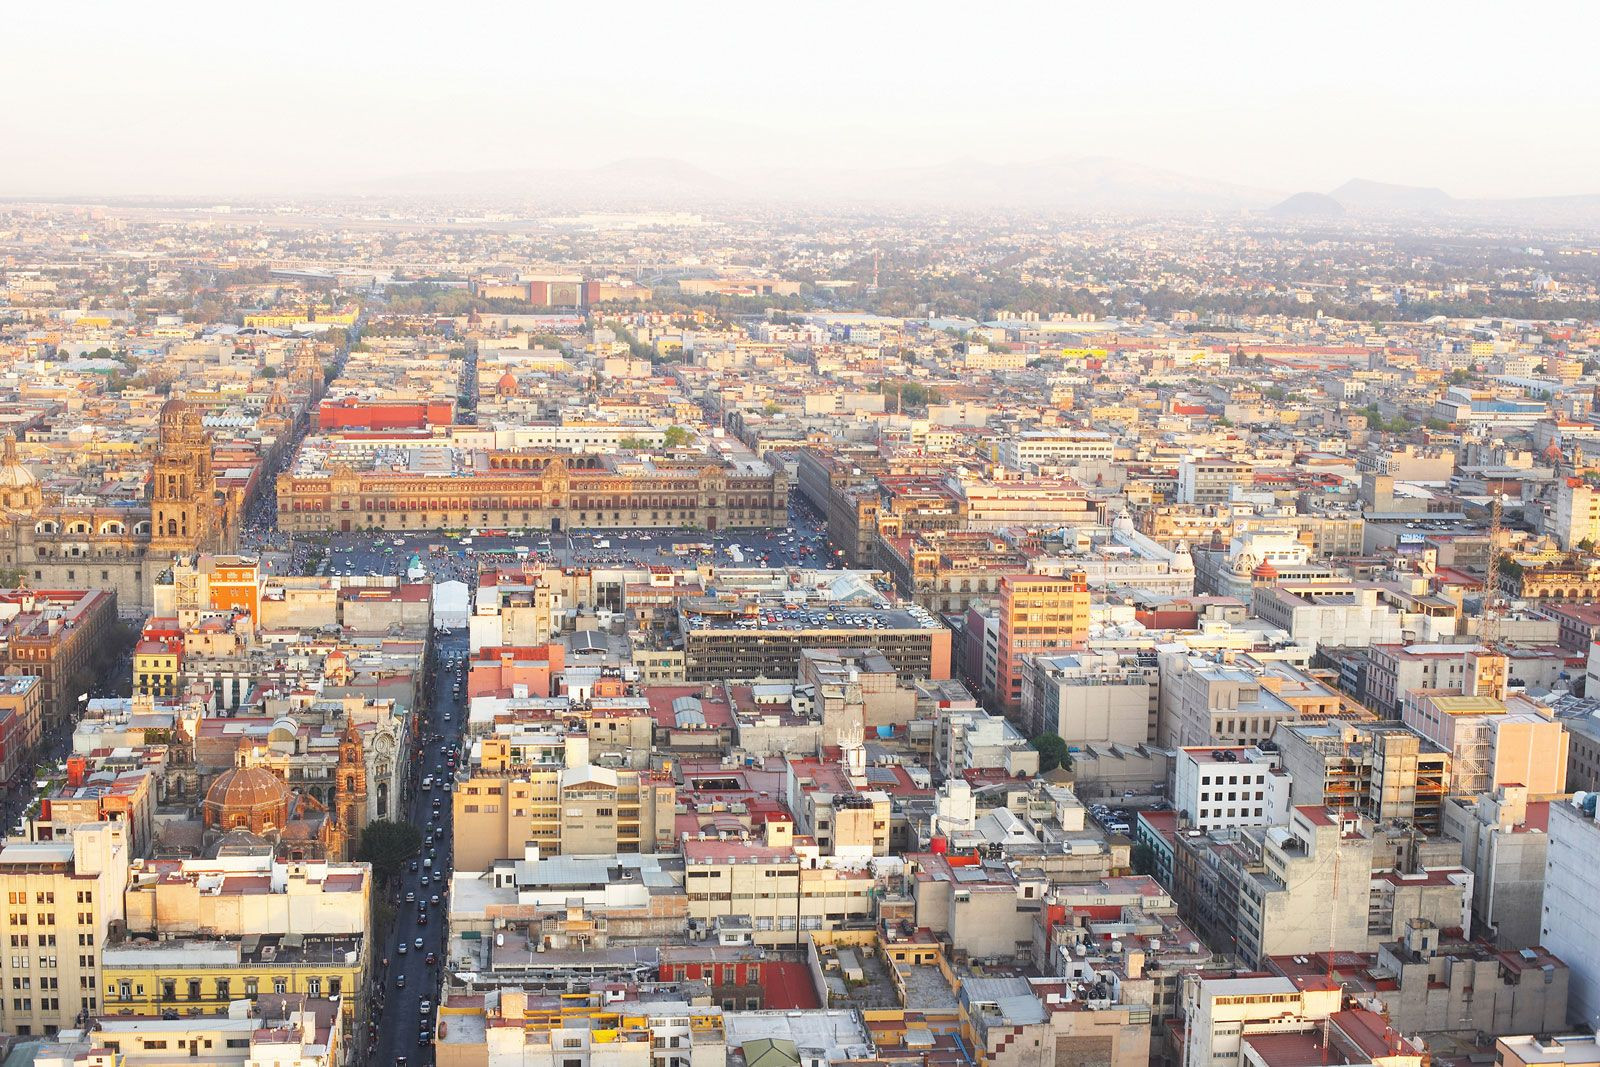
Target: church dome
(508, 383)
(1266, 572)
(173, 410)
(251, 798)
(14, 474)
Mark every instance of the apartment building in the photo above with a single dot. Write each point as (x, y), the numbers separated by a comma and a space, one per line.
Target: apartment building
(1211, 480)
(1505, 843)
(62, 899)
(575, 808)
(774, 891)
(1036, 614)
(21, 720)
(1491, 743)
(1261, 1020)
(1347, 614)
(511, 1026)
(1036, 448)
(58, 636)
(1206, 702)
(1394, 669)
(1104, 697)
(1570, 923)
(1575, 519)
(1230, 787)
(287, 1031)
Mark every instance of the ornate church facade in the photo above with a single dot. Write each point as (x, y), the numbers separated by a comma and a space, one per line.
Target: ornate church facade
(76, 543)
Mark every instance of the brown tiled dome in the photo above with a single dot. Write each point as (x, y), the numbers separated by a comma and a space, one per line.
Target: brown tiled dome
(250, 798)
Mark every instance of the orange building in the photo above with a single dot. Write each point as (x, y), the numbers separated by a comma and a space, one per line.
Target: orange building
(1037, 613)
(234, 583)
(498, 671)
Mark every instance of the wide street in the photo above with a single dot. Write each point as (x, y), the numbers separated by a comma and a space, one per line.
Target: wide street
(407, 979)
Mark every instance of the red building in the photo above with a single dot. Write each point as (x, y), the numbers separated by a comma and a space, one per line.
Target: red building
(354, 413)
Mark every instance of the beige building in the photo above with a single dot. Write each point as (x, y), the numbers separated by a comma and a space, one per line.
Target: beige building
(503, 1027)
(62, 898)
(1547, 1050)
(775, 890)
(576, 809)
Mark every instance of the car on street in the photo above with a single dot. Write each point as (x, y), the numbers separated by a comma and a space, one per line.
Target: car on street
(417, 944)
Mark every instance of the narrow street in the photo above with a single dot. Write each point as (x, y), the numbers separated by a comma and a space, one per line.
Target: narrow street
(401, 1031)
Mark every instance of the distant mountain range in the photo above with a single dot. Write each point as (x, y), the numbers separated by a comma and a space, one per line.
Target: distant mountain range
(1362, 198)
(1060, 183)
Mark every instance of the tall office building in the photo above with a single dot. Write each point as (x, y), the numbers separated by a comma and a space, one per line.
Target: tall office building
(1037, 614)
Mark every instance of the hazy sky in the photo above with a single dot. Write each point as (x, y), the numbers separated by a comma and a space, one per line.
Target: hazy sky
(1476, 98)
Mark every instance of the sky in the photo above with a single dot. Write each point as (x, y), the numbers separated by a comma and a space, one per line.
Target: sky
(162, 97)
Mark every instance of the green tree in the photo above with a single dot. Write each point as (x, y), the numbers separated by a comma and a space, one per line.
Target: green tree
(387, 844)
(1142, 858)
(1052, 753)
(675, 436)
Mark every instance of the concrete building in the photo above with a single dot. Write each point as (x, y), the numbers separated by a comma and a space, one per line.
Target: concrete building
(1099, 697)
(1325, 613)
(1492, 744)
(1383, 771)
(1504, 843)
(1547, 1050)
(1230, 787)
(63, 897)
(1570, 926)
(1204, 702)
(1210, 480)
(575, 808)
(1393, 670)
(1222, 1016)
(1575, 519)
(773, 892)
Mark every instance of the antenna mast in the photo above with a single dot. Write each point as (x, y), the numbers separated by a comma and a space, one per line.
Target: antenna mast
(1489, 623)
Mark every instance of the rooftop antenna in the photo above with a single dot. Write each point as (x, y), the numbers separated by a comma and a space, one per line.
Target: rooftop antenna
(1489, 621)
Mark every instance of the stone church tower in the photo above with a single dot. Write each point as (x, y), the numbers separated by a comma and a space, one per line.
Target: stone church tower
(183, 495)
(350, 790)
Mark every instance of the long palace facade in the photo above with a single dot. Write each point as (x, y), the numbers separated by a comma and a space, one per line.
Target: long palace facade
(544, 490)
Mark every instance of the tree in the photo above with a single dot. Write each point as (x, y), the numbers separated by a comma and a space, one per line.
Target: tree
(387, 844)
(675, 436)
(1142, 858)
(1052, 753)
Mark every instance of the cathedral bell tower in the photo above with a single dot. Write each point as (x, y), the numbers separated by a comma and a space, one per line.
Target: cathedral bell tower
(183, 488)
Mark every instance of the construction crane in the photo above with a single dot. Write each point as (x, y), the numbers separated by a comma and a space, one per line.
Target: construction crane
(1489, 614)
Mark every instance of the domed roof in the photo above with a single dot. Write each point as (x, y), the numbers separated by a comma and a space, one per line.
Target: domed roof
(247, 788)
(14, 474)
(1266, 572)
(173, 409)
(508, 383)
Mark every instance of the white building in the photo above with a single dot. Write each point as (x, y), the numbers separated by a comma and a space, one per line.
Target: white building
(1229, 787)
(1060, 447)
(1571, 925)
(1576, 516)
(1221, 1013)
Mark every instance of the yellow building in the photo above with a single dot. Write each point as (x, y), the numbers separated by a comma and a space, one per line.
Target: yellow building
(61, 900)
(210, 932)
(155, 669)
(199, 977)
